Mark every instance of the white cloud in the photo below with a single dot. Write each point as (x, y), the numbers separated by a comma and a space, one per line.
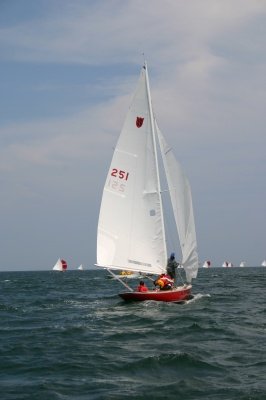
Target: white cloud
(115, 31)
(207, 63)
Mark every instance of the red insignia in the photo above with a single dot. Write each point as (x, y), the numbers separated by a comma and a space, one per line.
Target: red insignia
(139, 122)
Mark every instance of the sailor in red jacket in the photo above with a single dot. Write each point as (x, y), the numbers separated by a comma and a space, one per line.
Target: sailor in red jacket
(142, 287)
(164, 282)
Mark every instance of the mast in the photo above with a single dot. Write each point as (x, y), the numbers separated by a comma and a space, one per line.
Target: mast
(156, 156)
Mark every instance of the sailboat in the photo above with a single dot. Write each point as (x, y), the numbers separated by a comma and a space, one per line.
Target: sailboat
(129, 275)
(242, 264)
(131, 230)
(207, 264)
(61, 265)
(227, 264)
(80, 268)
(263, 264)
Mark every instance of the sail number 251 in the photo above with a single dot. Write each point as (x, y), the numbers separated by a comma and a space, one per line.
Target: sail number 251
(118, 184)
(118, 173)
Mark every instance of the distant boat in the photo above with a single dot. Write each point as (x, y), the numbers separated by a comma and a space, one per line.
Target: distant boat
(207, 264)
(61, 265)
(263, 264)
(131, 230)
(242, 264)
(129, 274)
(80, 268)
(227, 264)
(125, 273)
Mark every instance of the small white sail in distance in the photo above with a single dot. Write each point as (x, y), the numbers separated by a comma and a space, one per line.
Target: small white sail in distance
(207, 264)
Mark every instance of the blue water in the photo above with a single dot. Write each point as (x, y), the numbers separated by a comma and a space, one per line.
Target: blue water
(69, 336)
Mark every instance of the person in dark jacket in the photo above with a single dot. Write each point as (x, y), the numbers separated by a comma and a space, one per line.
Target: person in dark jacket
(172, 265)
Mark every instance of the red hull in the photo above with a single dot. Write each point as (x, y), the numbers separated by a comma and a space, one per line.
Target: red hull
(174, 295)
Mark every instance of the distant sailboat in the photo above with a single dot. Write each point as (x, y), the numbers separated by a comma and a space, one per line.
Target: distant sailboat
(125, 275)
(207, 264)
(225, 264)
(129, 275)
(263, 264)
(80, 268)
(242, 264)
(61, 265)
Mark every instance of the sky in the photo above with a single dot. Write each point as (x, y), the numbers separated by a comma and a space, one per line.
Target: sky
(68, 70)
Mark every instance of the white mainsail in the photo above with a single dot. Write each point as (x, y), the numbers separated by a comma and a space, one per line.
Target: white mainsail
(131, 232)
(131, 227)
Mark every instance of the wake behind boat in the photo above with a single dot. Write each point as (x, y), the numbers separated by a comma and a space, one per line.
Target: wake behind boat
(131, 229)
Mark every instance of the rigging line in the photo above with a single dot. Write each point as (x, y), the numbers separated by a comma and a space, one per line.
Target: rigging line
(120, 280)
(148, 277)
(180, 276)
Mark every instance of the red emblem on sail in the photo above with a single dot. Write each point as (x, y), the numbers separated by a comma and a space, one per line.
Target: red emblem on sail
(139, 122)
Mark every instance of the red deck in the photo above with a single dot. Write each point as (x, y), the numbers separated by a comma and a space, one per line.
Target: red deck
(174, 295)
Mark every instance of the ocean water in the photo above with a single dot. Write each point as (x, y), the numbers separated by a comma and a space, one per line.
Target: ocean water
(69, 336)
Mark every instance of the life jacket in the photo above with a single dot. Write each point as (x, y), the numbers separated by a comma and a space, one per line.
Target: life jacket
(164, 280)
(159, 282)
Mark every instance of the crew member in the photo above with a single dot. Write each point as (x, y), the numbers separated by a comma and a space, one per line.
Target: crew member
(142, 287)
(172, 265)
(164, 282)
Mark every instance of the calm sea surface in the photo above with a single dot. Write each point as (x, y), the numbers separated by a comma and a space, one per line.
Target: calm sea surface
(69, 336)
